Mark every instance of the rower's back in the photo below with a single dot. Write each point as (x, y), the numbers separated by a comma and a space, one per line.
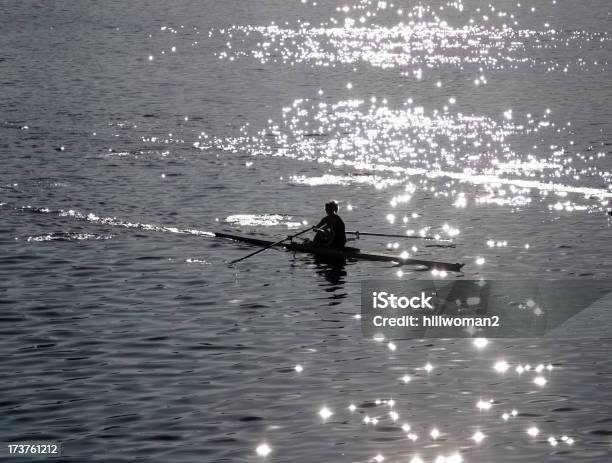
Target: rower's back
(339, 230)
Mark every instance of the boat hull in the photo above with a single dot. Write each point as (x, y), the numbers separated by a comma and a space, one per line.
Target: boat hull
(344, 253)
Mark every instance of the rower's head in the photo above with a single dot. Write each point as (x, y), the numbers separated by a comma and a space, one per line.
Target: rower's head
(331, 207)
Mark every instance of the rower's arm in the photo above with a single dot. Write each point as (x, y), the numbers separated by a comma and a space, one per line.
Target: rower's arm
(323, 223)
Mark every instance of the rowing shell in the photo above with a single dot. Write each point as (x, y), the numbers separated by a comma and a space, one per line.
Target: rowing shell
(345, 253)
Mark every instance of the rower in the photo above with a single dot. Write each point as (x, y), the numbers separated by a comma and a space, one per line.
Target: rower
(330, 230)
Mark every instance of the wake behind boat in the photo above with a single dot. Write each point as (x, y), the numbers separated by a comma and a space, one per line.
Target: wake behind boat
(342, 253)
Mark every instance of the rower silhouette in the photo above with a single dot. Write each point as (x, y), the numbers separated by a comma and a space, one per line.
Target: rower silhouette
(330, 230)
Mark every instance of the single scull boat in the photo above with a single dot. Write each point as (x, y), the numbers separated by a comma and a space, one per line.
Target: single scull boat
(344, 253)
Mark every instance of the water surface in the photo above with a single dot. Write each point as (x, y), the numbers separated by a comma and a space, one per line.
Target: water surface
(129, 132)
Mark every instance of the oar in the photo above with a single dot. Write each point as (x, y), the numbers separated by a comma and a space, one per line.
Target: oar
(358, 234)
(272, 245)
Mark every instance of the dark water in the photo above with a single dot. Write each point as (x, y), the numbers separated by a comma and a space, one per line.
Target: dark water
(125, 334)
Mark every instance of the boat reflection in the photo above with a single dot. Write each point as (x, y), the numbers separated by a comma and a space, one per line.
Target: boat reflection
(333, 270)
